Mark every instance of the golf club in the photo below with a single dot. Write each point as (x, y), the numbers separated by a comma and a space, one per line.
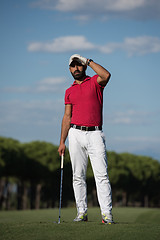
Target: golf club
(60, 199)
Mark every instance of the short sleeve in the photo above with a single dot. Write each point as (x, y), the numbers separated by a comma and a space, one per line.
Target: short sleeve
(97, 84)
(66, 98)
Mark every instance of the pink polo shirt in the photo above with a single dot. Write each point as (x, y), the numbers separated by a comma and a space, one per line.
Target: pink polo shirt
(87, 102)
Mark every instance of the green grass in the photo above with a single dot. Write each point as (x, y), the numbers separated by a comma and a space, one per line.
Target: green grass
(131, 223)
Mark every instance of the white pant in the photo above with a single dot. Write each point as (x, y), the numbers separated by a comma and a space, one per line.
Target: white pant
(81, 145)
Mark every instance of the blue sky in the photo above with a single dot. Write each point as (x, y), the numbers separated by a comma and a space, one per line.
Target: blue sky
(37, 39)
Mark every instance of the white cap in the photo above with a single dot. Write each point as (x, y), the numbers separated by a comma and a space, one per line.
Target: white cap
(75, 57)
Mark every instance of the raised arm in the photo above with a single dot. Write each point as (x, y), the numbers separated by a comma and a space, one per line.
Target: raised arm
(103, 74)
(65, 128)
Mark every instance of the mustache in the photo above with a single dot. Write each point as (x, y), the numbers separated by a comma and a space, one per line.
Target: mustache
(77, 71)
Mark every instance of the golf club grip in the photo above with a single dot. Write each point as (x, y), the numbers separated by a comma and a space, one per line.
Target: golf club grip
(62, 160)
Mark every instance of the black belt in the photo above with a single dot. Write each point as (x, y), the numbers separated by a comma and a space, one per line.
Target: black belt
(83, 128)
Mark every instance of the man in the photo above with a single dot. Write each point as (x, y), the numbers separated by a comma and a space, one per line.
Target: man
(82, 123)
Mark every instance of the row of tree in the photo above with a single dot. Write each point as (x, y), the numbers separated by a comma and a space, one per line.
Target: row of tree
(30, 177)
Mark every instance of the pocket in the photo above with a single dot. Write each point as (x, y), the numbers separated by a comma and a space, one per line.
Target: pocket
(103, 136)
(69, 132)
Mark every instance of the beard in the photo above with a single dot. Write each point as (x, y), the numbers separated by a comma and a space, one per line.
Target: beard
(79, 75)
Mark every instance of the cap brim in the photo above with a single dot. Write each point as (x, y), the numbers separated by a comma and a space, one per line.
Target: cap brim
(75, 60)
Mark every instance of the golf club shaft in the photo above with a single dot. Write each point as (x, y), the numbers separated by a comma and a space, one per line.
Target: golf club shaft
(60, 199)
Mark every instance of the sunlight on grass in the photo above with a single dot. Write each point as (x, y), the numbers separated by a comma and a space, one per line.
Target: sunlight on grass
(131, 223)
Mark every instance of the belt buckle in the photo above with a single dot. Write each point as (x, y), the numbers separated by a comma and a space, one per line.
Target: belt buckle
(83, 128)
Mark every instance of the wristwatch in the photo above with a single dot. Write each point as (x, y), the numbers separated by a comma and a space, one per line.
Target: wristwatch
(90, 60)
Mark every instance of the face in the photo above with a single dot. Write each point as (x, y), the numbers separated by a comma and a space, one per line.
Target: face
(77, 70)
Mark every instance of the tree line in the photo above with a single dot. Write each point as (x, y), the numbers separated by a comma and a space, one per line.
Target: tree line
(30, 177)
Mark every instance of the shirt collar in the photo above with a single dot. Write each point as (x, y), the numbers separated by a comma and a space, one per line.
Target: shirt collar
(86, 79)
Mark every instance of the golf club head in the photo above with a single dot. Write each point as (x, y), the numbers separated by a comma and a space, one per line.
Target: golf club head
(57, 222)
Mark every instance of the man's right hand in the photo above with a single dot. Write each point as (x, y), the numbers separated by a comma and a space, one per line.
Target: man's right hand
(83, 60)
(61, 149)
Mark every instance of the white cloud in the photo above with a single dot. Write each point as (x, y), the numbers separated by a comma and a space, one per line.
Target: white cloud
(129, 117)
(90, 5)
(70, 5)
(141, 145)
(142, 9)
(110, 47)
(138, 139)
(124, 5)
(29, 112)
(138, 143)
(50, 84)
(31, 120)
(15, 89)
(47, 85)
(82, 18)
(62, 44)
(44, 4)
(140, 45)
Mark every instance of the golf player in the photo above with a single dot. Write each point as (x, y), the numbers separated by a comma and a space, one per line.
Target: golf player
(82, 123)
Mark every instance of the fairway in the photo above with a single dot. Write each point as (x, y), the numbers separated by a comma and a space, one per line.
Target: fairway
(131, 223)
